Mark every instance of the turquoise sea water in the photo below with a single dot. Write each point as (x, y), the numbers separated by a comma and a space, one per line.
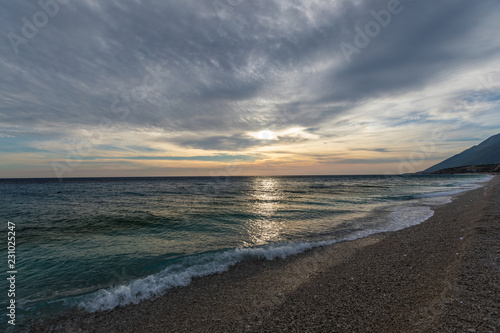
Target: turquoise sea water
(97, 243)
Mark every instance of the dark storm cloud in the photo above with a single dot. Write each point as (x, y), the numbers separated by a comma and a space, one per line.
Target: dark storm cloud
(190, 65)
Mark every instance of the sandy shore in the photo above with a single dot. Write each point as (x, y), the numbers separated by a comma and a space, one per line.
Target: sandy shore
(440, 276)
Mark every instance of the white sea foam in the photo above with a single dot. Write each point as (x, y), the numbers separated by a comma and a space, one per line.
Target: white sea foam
(444, 197)
(404, 217)
(441, 194)
(181, 274)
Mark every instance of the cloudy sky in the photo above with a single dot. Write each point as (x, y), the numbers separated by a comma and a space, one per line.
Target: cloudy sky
(240, 87)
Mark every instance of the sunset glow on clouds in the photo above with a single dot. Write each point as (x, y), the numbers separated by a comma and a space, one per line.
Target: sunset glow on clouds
(170, 88)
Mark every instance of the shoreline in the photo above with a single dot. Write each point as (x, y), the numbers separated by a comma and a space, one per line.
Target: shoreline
(398, 281)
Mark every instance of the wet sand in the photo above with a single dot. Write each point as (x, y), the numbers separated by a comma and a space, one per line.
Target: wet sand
(442, 275)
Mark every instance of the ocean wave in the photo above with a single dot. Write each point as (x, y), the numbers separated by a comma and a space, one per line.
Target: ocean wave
(181, 274)
(464, 188)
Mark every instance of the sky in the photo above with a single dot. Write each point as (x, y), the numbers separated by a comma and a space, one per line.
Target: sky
(244, 87)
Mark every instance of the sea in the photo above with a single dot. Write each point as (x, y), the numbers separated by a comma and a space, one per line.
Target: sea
(99, 243)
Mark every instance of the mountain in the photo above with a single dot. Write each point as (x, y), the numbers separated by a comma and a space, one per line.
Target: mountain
(487, 152)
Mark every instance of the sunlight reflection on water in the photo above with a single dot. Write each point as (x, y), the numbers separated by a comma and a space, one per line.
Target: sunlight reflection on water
(268, 195)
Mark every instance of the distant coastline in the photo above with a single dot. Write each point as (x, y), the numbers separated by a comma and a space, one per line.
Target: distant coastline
(480, 169)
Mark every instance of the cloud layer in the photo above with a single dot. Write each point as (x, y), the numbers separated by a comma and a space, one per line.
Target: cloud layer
(196, 78)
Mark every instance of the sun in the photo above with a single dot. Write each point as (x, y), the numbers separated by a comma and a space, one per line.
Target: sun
(265, 135)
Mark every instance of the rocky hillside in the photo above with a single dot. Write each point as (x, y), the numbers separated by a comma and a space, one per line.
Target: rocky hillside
(492, 168)
(486, 153)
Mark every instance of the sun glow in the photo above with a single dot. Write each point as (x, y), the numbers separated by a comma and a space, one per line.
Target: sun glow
(265, 135)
